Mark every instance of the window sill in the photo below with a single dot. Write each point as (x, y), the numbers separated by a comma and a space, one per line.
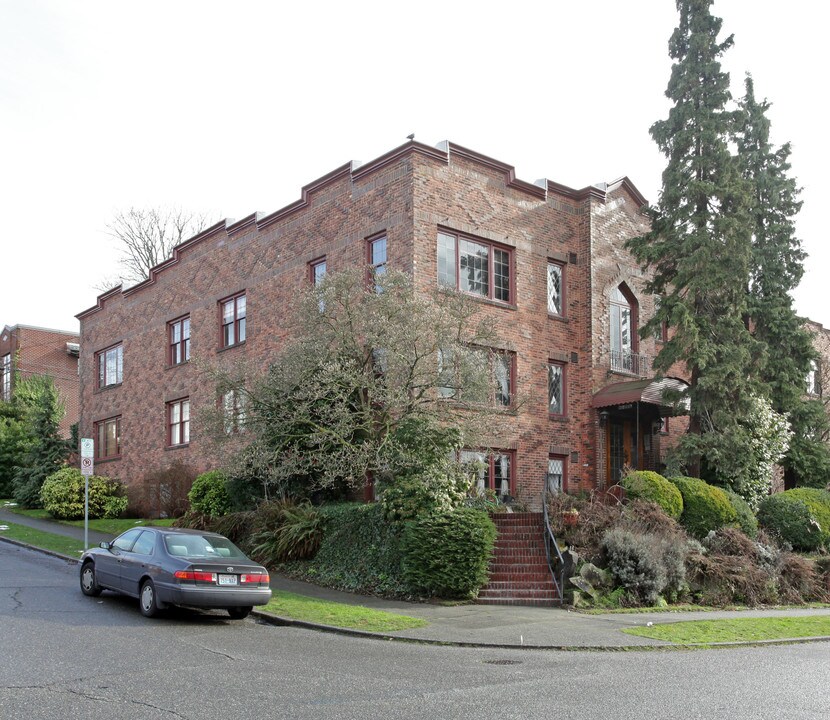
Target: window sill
(177, 447)
(108, 387)
(557, 418)
(177, 365)
(231, 347)
(554, 316)
(99, 461)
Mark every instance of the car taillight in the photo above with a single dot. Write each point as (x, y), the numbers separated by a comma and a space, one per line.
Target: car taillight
(255, 578)
(195, 576)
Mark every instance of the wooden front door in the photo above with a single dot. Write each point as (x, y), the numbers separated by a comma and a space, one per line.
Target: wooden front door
(621, 447)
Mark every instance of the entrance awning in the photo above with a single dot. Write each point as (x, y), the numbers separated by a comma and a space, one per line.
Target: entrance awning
(650, 391)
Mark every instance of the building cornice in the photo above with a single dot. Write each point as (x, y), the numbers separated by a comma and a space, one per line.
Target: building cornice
(355, 172)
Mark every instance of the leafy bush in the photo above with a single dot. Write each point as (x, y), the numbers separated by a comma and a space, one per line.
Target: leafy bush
(209, 494)
(800, 517)
(62, 495)
(746, 519)
(360, 552)
(439, 488)
(705, 507)
(647, 566)
(446, 554)
(651, 486)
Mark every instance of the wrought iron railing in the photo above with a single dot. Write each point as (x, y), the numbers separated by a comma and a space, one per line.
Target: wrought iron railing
(556, 562)
(628, 362)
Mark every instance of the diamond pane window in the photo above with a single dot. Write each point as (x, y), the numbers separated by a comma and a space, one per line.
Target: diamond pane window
(555, 289)
(556, 394)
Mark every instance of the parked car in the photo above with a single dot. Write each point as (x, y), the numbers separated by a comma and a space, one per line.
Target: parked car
(175, 566)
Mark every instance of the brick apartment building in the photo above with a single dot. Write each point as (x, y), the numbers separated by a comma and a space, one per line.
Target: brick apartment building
(546, 262)
(26, 351)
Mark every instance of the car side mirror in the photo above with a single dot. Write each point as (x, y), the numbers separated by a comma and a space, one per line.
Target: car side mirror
(104, 545)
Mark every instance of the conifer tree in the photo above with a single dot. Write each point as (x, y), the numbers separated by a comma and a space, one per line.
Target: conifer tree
(699, 247)
(776, 269)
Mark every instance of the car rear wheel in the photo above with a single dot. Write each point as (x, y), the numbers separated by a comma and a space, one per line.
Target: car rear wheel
(89, 585)
(147, 601)
(239, 613)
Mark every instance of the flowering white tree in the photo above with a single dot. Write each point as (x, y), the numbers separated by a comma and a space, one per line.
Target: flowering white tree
(765, 441)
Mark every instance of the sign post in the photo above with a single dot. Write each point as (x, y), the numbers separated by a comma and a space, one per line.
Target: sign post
(87, 468)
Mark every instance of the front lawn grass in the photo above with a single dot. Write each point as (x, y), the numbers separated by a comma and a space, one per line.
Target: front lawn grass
(110, 526)
(705, 632)
(49, 541)
(299, 607)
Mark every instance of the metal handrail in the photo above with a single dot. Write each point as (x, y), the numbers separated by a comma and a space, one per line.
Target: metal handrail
(629, 362)
(552, 551)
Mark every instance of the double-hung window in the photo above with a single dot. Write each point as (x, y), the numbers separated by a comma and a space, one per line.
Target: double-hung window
(110, 365)
(179, 338)
(556, 388)
(233, 411)
(494, 470)
(377, 260)
(317, 271)
(234, 315)
(108, 438)
(813, 379)
(477, 267)
(178, 422)
(456, 371)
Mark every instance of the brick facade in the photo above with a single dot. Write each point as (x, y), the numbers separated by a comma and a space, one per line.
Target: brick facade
(409, 194)
(40, 351)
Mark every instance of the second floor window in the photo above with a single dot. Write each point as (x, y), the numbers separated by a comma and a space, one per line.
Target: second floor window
(453, 369)
(476, 267)
(377, 259)
(108, 438)
(813, 384)
(178, 422)
(179, 334)
(234, 316)
(6, 370)
(110, 366)
(556, 389)
(623, 322)
(556, 289)
(317, 271)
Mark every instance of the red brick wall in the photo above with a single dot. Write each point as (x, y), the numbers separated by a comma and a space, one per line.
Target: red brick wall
(408, 194)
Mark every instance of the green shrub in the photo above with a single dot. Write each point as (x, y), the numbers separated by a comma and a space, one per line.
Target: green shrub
(359, 552)
(705, 507)
(296, 536)
(747, 521)
(800, 517)
(647, 566)
(209, 494)
(651, 486)
(439, 488)
(62, 495)
(446, 554)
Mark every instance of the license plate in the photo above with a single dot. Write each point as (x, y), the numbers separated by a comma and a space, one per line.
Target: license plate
(228, 580)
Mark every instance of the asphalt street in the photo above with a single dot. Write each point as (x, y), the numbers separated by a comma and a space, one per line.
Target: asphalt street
(63, 655)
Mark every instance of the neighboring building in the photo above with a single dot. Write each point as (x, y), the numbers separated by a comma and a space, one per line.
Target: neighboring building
(27, 350)
(546, 261)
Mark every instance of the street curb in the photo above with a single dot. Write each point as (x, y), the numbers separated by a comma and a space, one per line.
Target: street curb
(272, 619)
(45, 551)
(279, 621)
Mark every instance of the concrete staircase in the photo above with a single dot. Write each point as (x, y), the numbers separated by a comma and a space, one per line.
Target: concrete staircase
(519, 573)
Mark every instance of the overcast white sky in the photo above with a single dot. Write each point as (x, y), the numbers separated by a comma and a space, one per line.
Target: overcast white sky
(232, 107)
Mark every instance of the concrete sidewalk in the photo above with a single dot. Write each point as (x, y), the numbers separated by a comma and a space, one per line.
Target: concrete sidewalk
(498, 626)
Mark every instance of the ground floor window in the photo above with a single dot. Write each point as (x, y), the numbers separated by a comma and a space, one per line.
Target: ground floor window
(108, 438)
(494, 469)
(178, 422)
(557, 468)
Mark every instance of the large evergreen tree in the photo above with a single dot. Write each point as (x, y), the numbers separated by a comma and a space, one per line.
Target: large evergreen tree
(46, 450)
(776, 269)
(699, 247)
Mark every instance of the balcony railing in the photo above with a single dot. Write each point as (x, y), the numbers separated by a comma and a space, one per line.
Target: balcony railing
(625, 361)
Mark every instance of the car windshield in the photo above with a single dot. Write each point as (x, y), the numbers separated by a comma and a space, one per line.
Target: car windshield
(212, 547)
